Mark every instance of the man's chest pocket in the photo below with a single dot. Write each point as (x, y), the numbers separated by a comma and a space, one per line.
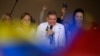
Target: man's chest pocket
(57, 30)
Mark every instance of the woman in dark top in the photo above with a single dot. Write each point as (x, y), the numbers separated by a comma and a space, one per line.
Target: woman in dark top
(77, 25)
(85, 38)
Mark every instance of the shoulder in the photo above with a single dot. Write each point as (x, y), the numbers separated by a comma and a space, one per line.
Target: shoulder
(60, 25)
(44, 23)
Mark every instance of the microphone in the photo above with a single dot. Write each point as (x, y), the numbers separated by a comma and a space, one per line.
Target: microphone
(47, 28)
(51, 27)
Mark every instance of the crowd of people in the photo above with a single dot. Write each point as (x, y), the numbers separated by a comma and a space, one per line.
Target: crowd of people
(23, 37)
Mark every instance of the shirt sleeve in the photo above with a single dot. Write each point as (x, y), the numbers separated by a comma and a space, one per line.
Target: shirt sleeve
(41, 16)
(62, 37)
(40, 35)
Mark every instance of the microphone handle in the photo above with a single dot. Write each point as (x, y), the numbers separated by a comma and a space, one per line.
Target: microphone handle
(51, 27)
(47, 28)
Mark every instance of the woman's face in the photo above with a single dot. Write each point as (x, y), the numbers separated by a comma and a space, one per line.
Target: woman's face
(7, 19)
(79, 17)
(26, 20)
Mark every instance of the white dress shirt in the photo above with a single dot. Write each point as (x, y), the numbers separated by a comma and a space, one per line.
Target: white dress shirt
(59, 35)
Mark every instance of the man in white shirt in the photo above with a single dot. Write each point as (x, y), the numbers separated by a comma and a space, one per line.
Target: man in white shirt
(51, 34)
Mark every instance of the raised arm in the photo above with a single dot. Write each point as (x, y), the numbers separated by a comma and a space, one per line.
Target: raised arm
(42, 13)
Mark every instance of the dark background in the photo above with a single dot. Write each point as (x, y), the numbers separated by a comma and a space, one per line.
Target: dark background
(34, 7)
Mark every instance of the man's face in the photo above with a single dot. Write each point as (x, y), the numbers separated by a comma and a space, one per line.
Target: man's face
(52, 19)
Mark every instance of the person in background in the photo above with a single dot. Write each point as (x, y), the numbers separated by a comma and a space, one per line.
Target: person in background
(27, 28)
(85, 39)
(51, 34)
(77, 25)
(42, 13)
(7, 40)
(6, 28)
(59, 19)
(63, 13)
(6, 19)
(25, 36)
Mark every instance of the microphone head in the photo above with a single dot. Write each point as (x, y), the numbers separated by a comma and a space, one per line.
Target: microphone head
(47, 28)
(51, 27)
